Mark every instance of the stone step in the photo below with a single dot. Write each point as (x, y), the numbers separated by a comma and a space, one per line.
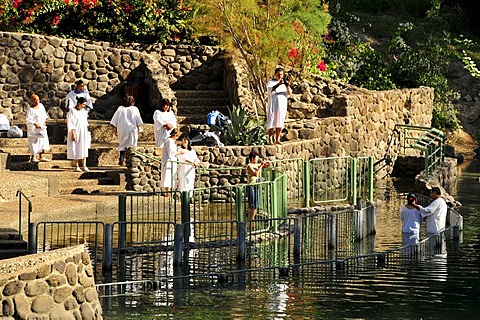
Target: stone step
(13, 244)
(12, 253)
(29, 166)
(201, 102)
(184, 94)
(203, 110)
(9, 234)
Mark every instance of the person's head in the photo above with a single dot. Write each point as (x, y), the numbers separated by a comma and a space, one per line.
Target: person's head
(278, 73)
(186, 144)
(165, 105)
(79, 85)
(129, 100)
(81, 103)
(35, 99)
(411, 198)
(435, 192)
(175, 133)
(253, 157)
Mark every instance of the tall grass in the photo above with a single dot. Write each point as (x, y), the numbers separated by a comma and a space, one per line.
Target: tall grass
(417, 8)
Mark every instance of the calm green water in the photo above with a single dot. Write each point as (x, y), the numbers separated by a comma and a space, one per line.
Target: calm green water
(441, 287)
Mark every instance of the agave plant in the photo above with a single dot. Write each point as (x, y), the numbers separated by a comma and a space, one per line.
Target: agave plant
(245, 129)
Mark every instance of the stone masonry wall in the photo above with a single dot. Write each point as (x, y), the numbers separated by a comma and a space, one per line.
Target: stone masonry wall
(49, 66)
(55, 285)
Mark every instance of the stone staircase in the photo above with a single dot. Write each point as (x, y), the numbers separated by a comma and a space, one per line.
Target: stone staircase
(11, 245)
(194, 105)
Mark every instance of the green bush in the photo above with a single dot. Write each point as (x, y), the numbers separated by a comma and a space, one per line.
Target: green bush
(110, 20)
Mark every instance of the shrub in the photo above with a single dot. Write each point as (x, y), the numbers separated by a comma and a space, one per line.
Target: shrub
(245, 129)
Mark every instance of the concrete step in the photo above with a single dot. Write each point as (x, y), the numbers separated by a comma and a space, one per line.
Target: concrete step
(9, 234)
(13, 244)
(194, 101)
(203, 110)
(12, 253)
(185, 94)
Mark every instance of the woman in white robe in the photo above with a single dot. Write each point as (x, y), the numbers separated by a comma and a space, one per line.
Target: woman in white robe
(128, 122)
(169, 162)
(164, 121)
(37, 130)
(278, 92)
(78, 138)
(186, 170)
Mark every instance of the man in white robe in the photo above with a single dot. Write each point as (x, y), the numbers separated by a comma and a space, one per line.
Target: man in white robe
(278, 92)
(436, 212)
(79, 91)
(164, 121)
(128, 122)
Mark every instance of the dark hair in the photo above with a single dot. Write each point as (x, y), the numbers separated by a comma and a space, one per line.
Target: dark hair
(189, 143)
(81, 100)
(277, 70)
(173, 132)
(79, 82)
(437, 191)
(411, 197)
(129, 100)
(252, 155)
(164, 102)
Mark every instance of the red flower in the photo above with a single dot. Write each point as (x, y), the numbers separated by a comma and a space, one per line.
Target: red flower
(322, 66)
(56, 20)
(15, 3)
(294, 53)
(127, 8)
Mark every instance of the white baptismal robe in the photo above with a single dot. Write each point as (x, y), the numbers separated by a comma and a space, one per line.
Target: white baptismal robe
(159, 120)
(169, 164)
(72, 96)
(37, 137)
(126, 120)
(78, 120)
(186, 172)
(277, 104)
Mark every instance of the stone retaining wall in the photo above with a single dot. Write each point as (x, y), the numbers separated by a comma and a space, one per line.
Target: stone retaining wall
(49, 66)
(55, 285)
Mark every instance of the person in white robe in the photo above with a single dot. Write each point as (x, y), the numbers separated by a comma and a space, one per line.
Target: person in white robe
(411, 221)
(278, 92)
(79, 91)
(37, 130)
(169, 162)
(78, 138)
(188, 159)
(128, 122)
(164, 121)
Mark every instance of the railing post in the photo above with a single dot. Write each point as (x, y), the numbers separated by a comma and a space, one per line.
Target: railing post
(306, 183)
(332, 234)
(239, 204)
(185, 206)
(358, 225)
(284, 196)
(122, 217)
(296, 241)
(178, 245)
(241, 241)
(32, 238)
(353, 179)
(107, 248)
(370, 179)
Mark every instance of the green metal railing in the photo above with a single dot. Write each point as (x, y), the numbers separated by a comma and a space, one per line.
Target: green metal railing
(340, 179)
(430, 141)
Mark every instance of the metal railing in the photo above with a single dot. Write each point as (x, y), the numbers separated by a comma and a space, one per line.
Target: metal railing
(21, 196)
(430, 141)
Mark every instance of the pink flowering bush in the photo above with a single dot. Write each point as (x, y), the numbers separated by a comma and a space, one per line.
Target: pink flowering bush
(108, 20)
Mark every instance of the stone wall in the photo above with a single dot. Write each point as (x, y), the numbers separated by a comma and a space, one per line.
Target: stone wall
(49, 66)
(55, 285)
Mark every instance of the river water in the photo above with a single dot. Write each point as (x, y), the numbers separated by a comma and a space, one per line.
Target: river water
(440, 287)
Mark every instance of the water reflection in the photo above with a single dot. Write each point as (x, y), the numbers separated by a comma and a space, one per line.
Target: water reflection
(441, 282)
